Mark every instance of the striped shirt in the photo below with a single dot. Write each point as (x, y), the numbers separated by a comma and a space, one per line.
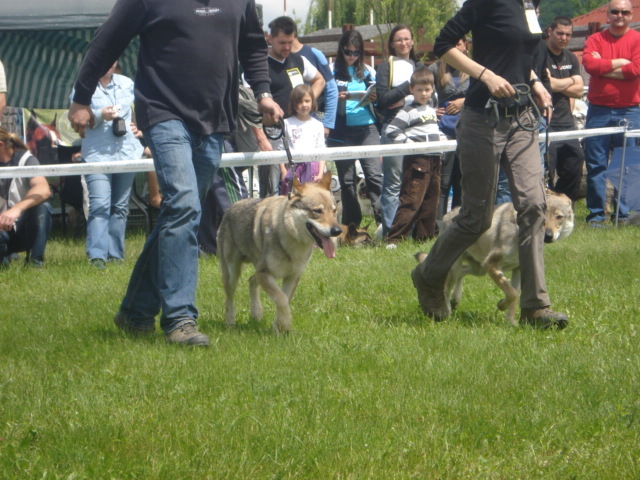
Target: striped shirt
(413, 124)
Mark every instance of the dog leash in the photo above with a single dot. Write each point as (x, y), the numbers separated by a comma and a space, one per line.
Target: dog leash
(521, 100)
(281, 133)
(547, 155)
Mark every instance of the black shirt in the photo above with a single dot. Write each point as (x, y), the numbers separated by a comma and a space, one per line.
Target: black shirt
(564, 65)
(281, 74)
(187, 62)
(502, 42)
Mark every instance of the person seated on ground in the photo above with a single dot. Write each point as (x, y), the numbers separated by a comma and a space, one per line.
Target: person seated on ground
(25, 214)
(420, 187)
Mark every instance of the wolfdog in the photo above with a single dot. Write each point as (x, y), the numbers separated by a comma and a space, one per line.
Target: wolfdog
(496, 251)
(353, 236)
(277, 235)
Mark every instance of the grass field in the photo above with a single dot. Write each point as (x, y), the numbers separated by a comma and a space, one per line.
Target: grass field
(364, 387)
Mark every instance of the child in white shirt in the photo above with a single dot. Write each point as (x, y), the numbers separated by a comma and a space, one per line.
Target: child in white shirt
(305, 134)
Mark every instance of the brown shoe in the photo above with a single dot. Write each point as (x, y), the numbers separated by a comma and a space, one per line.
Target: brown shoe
(543, 318)
(187, 334)
(431, 300)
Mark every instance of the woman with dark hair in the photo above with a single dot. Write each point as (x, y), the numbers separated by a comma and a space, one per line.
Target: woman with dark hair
(392, 86)
(355, 125)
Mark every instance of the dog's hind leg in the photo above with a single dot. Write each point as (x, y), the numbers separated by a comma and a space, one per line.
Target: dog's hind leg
(230, 276)
(282, 322)
(515, 284)
(453, 286)
(256, 303)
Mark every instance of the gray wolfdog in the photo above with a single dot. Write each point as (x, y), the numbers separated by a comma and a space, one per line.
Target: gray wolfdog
(496, 251)
(277, 235)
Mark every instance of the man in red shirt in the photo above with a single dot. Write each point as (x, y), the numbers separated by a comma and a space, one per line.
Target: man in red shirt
(612, 58)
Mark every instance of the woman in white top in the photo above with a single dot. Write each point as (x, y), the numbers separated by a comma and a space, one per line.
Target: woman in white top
(392, 86)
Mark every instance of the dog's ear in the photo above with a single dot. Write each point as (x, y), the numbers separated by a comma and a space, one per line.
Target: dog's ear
(353, 230)
(325, 181)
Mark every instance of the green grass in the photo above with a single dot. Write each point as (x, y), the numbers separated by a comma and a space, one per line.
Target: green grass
(364, 387)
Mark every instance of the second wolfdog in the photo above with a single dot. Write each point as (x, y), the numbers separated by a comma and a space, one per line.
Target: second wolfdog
(277, 235)
(496, 251)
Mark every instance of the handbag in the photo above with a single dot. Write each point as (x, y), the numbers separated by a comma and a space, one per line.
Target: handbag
(447, 123)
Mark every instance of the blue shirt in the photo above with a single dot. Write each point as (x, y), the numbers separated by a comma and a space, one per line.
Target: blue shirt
(357, 115)
(100, 144)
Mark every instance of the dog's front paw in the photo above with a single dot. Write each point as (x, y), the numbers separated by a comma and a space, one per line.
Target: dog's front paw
(256, 312)
(282, 325)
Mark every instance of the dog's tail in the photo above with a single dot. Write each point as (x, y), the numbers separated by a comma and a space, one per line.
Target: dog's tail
(420, 256)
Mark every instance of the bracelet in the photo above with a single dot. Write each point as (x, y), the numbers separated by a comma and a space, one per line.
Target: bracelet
(260, 96)
(482, 73)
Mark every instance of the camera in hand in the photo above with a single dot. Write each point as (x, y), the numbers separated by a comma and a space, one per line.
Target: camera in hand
(119, 127)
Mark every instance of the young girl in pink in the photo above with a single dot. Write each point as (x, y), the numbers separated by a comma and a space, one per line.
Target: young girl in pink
(305, 134)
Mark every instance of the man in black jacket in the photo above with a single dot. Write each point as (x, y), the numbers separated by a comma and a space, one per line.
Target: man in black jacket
(186, 98)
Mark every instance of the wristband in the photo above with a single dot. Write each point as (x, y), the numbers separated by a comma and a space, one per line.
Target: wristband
(482, 73)
(260, 96)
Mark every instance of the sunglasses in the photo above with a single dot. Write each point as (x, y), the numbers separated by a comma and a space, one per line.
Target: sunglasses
(351, 53)
(620, 12)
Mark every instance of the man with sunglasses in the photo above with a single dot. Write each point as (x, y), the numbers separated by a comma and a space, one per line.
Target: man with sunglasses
(612, 58)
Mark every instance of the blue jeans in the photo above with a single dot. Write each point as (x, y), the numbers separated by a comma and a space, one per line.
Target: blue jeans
(30, 234)
(108, 207)
(391, 181)
(597, 150)
(166, 273)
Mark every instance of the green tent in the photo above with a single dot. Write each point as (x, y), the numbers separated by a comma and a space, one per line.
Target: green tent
(42, 44)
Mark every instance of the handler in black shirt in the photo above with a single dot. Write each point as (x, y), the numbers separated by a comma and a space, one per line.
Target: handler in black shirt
(505, 37)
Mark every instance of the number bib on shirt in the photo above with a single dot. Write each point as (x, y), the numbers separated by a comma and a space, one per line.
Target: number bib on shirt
(295, 77)
(532, 18)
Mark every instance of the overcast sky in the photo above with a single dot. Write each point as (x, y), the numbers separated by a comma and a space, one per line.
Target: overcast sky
(274, 8)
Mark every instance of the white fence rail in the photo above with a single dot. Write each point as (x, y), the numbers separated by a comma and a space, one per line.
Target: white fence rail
(268, 158)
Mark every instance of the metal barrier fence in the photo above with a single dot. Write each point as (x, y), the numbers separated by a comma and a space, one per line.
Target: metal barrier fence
(268, 158)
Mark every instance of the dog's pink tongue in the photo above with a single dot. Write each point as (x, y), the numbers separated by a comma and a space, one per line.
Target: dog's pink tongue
(328, 247)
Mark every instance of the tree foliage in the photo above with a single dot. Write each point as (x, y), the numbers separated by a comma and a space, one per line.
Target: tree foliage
(550, 9)
(424, 17)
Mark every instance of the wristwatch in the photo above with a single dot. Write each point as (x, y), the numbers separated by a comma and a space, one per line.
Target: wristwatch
(534, 80)
(260, 96)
